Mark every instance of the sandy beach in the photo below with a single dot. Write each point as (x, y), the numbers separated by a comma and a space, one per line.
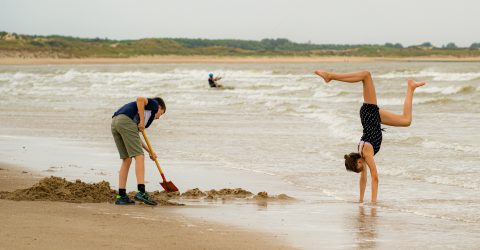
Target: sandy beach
(279, 129)
(270, 109)
(61, 225)
(223, 59)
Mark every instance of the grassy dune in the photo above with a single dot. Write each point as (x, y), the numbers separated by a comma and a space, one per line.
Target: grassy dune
(31, 46)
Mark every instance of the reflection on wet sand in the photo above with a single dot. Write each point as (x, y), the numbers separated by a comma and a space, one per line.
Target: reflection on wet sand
(366, 233)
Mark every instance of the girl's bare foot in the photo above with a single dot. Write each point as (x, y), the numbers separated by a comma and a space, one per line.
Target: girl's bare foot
(324, 75)
(413, 84)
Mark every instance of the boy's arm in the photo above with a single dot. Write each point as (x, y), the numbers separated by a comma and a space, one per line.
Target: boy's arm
(141, 103)
(144, 146)
(152, 155)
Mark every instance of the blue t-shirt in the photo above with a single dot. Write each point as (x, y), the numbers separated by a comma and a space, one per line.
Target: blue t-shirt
(131, 110)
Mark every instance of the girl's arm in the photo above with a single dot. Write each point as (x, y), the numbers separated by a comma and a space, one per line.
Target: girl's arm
(368, 156)
(363, 183)
(373, 172)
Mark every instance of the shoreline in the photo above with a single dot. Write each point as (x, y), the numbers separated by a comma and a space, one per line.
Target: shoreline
(35, 224)
(248, 138)
(223, 59)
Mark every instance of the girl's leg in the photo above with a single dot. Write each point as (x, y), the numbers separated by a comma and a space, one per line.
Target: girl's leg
(404, 120)
(122, 177)
(369, 95)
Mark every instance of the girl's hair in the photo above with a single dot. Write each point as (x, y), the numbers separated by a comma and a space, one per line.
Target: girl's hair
(161, 103)
(351, 162)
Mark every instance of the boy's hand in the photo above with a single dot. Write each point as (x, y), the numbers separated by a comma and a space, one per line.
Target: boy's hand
(153, 156)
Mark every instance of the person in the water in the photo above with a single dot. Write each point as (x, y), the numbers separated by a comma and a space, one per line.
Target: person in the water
(371, 117)
(213, 81)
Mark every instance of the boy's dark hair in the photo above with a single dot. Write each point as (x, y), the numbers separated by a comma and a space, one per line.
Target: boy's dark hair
(351, 162)
(161, 103)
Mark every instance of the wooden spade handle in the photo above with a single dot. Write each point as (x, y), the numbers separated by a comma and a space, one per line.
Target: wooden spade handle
(151, 152)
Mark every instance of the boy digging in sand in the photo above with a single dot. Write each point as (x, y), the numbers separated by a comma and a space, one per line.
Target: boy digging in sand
(371, 116)
(126, 124)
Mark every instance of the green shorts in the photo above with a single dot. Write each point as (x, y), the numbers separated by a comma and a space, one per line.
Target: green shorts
(127, 139)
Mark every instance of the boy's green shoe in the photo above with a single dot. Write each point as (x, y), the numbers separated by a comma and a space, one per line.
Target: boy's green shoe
(124, 200)
(141, 196)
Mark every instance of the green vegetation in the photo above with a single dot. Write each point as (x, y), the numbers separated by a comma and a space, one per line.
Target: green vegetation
(14, 45)
(475, 46)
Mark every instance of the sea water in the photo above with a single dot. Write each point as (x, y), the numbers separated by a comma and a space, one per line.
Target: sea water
(278, 120)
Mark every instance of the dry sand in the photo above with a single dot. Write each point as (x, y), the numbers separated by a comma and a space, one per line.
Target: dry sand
(66, 225)
(222, 59)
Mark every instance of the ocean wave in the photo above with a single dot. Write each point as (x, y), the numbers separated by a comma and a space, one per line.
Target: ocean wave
(11, 76)
(181, 78)
(464, 218)
(324, 93)
(340, 127)
(449, 179)
(445, 180)
(333, 195)
(435, 75)
(439, 100)
(407, 139)
(450, 90)
(451, 146)
(417, 100)
(295, 88)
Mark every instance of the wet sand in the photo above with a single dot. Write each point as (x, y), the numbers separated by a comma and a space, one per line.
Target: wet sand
(36, 224)
(225, 59)
(316, 218)
(243, 144)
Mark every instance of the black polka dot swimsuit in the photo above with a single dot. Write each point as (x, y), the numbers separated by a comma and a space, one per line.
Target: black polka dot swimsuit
(372, 131)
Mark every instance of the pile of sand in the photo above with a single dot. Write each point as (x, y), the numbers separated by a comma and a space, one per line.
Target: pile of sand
(59, 189)
(236, 193)
(281, 197)
(224, 193)
(163, 198)
(194, 194)
(228, 193)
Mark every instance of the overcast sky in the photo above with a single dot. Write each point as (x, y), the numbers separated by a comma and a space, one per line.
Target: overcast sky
(336, 21)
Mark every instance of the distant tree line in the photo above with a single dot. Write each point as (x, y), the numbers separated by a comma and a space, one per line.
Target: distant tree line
(279, 44)
(68, 47)
(475, 46)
